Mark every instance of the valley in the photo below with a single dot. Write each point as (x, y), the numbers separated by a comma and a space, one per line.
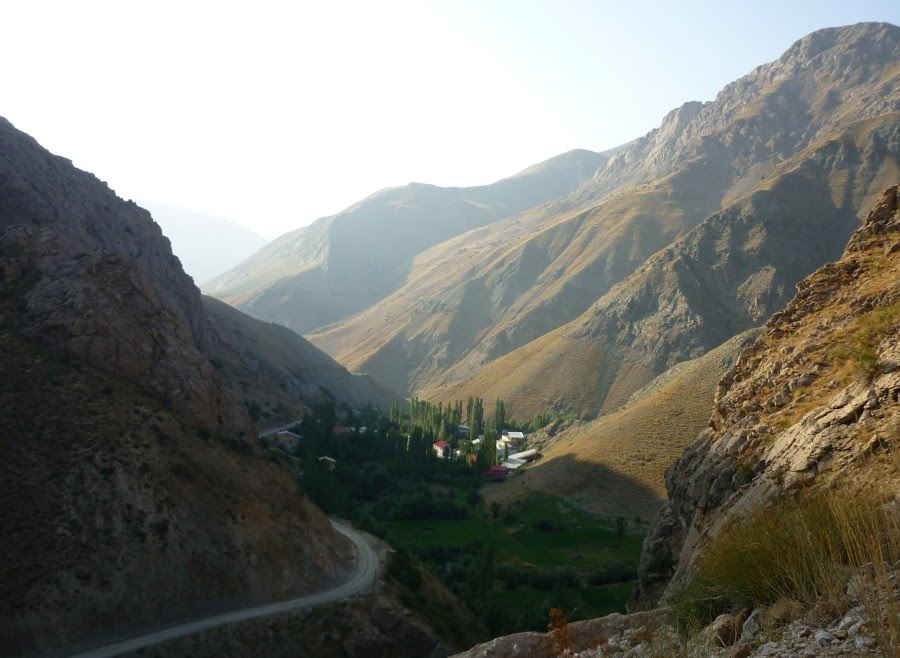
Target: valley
(641, 401)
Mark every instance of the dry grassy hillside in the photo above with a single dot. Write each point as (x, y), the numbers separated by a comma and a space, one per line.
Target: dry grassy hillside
(479, 297)
(723, 277)
(341, 264)
(616, 463)
(475, 298)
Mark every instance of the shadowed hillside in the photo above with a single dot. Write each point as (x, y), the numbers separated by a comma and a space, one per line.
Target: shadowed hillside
(131, 488)
(616, 463)
(278, 374)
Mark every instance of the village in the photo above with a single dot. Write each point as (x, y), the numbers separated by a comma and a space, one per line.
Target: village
(511, 448)
(511, 452)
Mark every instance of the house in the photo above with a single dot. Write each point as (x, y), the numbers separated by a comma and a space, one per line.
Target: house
(462, 431)
(495, 474)
(287, 440)
(441, 449)
(343, 431)
(516, 437)
(526, 455)
(329, 462)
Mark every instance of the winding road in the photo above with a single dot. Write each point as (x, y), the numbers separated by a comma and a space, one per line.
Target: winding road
(362, 580)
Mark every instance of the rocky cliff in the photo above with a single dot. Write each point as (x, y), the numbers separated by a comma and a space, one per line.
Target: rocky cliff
(131, 493)
(91, 277)
(813, 399)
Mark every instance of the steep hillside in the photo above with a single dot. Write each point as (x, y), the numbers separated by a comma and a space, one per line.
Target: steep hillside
(341, 264)
(785, 507)
(812, 401)
(130, 489)
(119, 513)
(824, 81)
(277, 373)
(206, 246)
(478, 297)
(723, 277)
(616, 463)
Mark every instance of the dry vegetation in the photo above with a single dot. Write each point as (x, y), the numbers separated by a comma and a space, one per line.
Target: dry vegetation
(616, 463)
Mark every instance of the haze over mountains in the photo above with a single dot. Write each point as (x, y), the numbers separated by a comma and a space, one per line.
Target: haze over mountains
(205, 245)
(568, 304)
(342, 264)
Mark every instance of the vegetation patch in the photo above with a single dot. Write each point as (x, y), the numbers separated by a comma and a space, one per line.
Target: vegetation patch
(860, 345)
(803, 549)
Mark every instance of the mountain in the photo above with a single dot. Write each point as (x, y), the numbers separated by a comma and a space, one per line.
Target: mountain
(780, 535)
(341, 264)
(132, 492)
(205, 245)
(489, 312)
(615, 464)
(279, 374)
(723, 277)
(813, 401)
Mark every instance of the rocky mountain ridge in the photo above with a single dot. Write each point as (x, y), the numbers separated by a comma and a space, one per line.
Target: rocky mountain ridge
(132, 493)
(796, 410)
(471, 302)
(342, 264)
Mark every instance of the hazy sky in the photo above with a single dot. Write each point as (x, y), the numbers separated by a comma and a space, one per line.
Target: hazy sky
(274, 114)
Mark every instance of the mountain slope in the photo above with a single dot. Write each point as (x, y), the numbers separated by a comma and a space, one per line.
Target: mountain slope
(813, 400)
(341, 264)
(130, 489)
(206, 246)
(482, 295)
(722, 278)
(278, 373)
(616, 463)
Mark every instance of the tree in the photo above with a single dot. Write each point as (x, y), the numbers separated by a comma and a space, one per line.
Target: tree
(499, 415)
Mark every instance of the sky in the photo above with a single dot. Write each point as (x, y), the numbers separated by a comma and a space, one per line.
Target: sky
(273, 114)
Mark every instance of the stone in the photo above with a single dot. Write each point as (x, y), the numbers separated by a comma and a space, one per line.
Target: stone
(863, 641)
(823, 637)
(751, 627)
(724, 630)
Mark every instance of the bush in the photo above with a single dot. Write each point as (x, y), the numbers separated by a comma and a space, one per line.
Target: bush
(805, 549)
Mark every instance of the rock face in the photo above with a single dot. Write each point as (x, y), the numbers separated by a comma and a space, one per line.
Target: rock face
(824, 81)
(131, 492)
(812, 398)
(818, 126)
(93, 278)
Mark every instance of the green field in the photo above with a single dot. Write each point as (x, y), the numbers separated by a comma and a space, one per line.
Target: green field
(537, 553)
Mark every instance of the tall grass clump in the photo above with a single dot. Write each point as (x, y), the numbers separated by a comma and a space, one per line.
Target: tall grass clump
(805, 548)
(861, 344)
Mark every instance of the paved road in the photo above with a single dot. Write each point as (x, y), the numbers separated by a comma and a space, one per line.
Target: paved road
(362, 580)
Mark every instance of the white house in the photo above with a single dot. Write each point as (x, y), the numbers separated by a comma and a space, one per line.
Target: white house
(287, 440)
